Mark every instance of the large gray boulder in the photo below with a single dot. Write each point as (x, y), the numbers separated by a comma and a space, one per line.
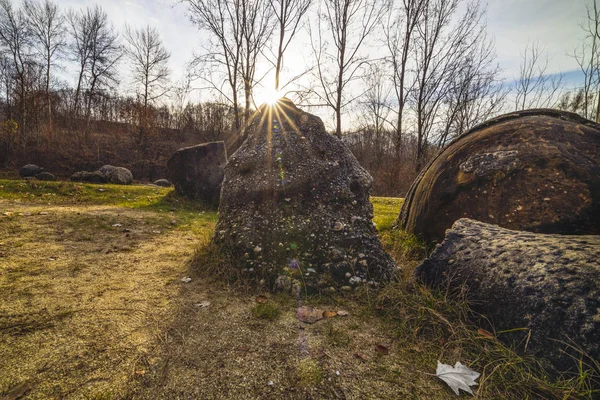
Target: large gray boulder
(197, 171)
(295, 202)
(533, 170)
(30, 170)
(549, 284)
(116, 175)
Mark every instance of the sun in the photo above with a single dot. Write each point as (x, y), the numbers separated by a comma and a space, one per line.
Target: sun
(270, 96)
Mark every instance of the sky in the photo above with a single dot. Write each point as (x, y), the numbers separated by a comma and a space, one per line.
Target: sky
(511, 23)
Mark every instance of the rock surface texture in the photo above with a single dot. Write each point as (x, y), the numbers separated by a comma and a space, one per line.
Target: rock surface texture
(30, 170)
(89, 177)
(535, 170)
(295, 203)
(197, 171)
(45, 176)
(116, 175)
(547, 283)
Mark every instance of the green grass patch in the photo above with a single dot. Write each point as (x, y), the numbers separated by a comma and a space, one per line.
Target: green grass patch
(269, 311)
(386, 211)
(309, 372)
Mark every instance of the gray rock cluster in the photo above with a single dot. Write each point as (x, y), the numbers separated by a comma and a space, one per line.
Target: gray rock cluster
(548, 284)
(106, 174)
(197, 171)
(295, 204)
(31, 171)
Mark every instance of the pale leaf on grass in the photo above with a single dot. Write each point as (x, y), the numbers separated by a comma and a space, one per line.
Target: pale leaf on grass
(457, 377)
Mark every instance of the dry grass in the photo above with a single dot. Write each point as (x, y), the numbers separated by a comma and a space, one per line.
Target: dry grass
(92, 310)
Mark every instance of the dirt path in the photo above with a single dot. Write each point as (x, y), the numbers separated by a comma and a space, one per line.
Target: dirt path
(92, 306)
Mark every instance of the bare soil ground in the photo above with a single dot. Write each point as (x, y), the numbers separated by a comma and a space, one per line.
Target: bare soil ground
(92, 305)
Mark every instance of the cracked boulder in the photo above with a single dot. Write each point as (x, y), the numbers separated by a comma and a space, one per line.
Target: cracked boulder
(542, 290)
(535, 170)
(295, 206)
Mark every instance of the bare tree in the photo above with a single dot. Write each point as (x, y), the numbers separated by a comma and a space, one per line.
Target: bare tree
(444, 40)
(288, 14)
(80, 49)
(256, 31)
(347, 23)
(15, 38)
(377, 107)
(222, 19)
(399, 34)
(476, 92)
(96, 48)
(588, 59)
(535, 88)
(149, 58)
(48, 33)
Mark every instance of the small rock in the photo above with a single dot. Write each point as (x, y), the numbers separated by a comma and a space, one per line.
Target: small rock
(257, 249)
(311, 270)
(162, 183)
(186, 279)
(355, 280)
(310, 315)
(343, 313)
(348, 275)
(338, 226)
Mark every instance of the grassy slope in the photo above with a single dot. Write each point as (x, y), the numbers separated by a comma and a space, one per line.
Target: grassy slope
(92, 306)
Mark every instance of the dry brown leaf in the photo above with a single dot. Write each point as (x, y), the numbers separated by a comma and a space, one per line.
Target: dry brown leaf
(484, 333)
(382, 349)
(261, 299)
(330, 314)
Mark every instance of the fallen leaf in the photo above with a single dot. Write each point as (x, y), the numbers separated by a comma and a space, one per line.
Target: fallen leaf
(330, 314)
(203, 304)
(457, 377)
(261, 299)
(309, 315)
(343, 313)
(140, 372)
(485, 333)
(382, 349)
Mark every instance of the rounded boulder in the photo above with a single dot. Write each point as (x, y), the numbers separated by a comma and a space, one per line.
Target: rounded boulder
(535, 170)
(30, 170)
